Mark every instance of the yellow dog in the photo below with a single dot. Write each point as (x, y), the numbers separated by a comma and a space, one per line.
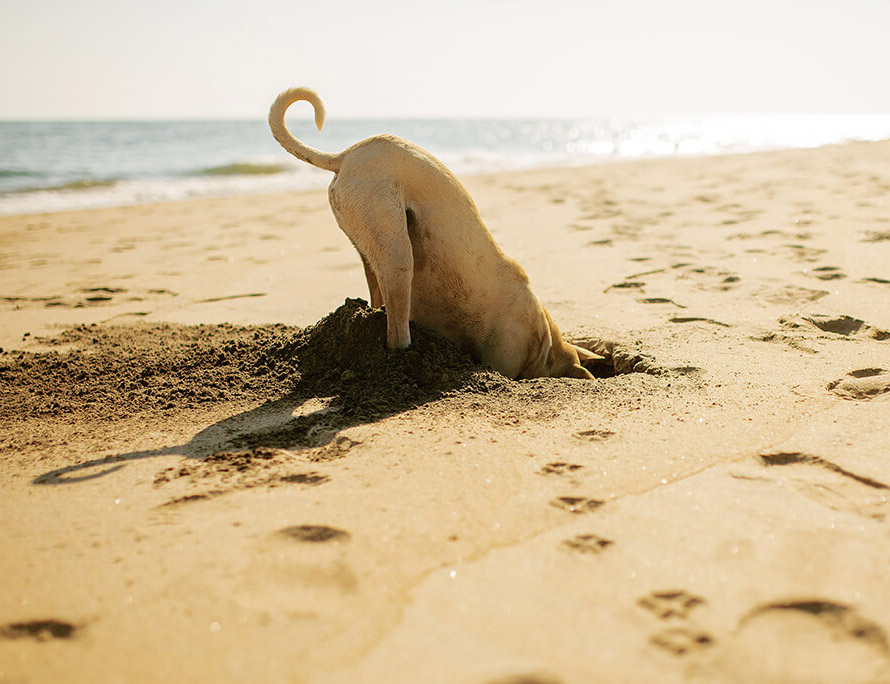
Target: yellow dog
(428, 256)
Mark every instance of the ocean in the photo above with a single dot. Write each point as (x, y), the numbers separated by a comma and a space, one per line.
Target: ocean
(53, 166)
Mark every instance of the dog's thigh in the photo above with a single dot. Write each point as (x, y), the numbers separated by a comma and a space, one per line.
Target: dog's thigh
(376, 223)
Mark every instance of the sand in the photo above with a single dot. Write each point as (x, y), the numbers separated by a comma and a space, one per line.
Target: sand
(199, 486)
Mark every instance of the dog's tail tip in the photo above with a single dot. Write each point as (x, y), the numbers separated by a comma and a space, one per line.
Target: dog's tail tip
(302, 94)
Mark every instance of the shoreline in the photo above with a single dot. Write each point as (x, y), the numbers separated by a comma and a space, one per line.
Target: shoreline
(84, 195)
(731, 501)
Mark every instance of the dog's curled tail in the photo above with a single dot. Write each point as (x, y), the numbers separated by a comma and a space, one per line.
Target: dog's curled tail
(302, 151)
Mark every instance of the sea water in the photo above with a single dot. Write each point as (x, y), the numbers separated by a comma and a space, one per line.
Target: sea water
(51, 166)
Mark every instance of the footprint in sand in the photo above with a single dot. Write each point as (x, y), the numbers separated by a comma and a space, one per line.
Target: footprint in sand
(681, 641)
(876, 236)
(225, 298)
(189, 498)
(739, 214)
(626, 286)
(779, 338)
(314, 534)
(843, 325)
(832, 485)
(862, 385)
(660, 300)
(576, 504)
(313, 479)
(40, 630)
(789, 458)
(804, 640)
(698, 319)
(804, 253)
(593, 435)
(301, 568)
(788, 294)
(85, 297)
(559, 468)
(674, 603)
(826, 273)
(591, 544)
(101, 294)
(708, 278)
(773, 233)
(628, 231)
(810, 327)
(227, 472)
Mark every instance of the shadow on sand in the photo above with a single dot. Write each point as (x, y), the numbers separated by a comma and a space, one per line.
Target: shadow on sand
(346, 378)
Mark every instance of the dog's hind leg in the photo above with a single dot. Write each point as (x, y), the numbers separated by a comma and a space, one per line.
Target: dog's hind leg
(374, 219)
(394, 268)
(373, 286)
(397, 300)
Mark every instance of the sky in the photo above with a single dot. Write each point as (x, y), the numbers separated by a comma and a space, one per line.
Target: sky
(196, 59)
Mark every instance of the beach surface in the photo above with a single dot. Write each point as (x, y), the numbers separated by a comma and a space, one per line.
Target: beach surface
(195, 488)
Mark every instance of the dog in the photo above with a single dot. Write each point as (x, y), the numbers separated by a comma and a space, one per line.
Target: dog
(427, 255)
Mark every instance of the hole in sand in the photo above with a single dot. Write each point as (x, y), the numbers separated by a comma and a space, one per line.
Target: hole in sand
(617, 359)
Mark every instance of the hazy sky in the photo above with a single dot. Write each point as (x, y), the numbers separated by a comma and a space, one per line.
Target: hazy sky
(408, 58)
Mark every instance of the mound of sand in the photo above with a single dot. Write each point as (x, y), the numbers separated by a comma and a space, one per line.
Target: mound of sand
(112, 372)
(107, 372)
(100, 372)
(345, 355)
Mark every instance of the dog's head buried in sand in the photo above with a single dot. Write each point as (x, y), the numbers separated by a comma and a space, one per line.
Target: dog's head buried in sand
(428, 256)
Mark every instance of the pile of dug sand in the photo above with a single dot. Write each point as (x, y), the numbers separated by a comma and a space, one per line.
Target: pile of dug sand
(110, 372)
(93, 371)
(345, 354)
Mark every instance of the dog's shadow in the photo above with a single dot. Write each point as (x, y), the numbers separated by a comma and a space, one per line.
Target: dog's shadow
(281, 424)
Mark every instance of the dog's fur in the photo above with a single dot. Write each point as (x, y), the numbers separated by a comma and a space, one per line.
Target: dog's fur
(428, 256)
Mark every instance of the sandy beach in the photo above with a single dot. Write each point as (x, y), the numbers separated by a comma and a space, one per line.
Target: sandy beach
(195, 487)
